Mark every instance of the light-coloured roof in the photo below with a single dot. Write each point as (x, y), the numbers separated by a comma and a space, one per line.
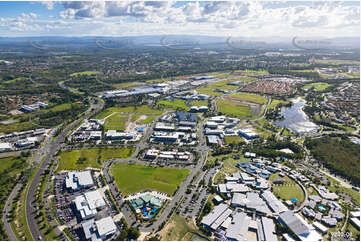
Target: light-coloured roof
(218, 210)
(5, 146)
(105, 226)
(276, 205)
(239, 227)
(94, 199)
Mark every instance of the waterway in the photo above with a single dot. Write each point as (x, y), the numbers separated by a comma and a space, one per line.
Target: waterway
(295, 119)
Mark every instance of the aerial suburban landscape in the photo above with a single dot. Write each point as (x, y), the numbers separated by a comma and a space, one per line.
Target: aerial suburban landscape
(180, 121)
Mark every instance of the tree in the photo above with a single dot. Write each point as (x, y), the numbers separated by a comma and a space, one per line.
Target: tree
(133, 233)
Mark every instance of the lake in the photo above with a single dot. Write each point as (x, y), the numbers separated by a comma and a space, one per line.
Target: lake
(295, 119)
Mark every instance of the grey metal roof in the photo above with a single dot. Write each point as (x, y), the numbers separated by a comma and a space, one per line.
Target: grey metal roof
(239, 227)
(294, 223)
(268, 229)
(218, 210)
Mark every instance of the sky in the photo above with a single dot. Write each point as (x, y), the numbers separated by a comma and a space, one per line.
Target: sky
(253, 18)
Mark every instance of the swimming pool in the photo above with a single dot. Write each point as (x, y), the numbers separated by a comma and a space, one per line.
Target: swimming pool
(321, 208)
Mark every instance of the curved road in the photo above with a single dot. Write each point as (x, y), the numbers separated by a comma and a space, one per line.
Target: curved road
(51, 149)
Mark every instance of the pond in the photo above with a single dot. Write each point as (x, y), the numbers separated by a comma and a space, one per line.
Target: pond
(295, 119)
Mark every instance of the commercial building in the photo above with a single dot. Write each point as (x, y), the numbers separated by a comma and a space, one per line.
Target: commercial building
(78, 180)
(5, 147)
(100, 229)
(115, 135)
(88, 203)
(30, 141)
(248, 134)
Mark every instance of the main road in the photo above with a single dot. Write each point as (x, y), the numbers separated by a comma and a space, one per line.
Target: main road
(52, 146)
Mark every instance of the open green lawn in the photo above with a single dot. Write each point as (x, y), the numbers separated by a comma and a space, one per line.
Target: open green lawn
(254, 71)
(84, 73)
(116, 122)
(275, 102)
(290, 189)
(232, 139)
(125, 84)
(13, 164)
(222, 85)
(143, 109)
(318, 86)
(208, 91)
(174, 104)
(82, 158)
(135, 178)
(199, 103)
(249, 97)
(148, 120)
(234, 108)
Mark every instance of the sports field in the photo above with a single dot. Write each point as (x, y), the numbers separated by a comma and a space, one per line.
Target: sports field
(135, 178)
(249, 97)
(116, 122)
(233, 108)
(290, 189)
(82, 158)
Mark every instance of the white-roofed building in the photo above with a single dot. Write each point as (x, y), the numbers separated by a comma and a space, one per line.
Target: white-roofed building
(99, 230)
(78, 180)
(5, 147)
(88, 203)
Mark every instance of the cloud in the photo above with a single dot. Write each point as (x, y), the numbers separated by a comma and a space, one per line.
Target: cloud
(241, 18)
(48, 4)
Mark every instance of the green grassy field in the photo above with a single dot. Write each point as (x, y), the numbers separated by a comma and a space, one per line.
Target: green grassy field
(199, 103)
(233, 108)
(83, 158)
(232, 139)
(208, 91)
(222, 85)
(125, 84)
(143, 109)
(116, 122)
(275, 102)
(84, 73)
(148, 120)
(135, 178)
(290, 189)
(229, 165)
(318, 86)
(254, 71)
(11, 163)
(174, 104)
(249, 97)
